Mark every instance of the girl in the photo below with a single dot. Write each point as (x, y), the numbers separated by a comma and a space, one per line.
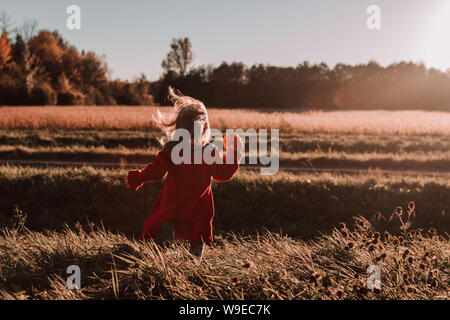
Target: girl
(184, 209)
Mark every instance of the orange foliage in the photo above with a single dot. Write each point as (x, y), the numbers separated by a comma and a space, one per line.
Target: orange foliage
(5, 50)
(46, 47)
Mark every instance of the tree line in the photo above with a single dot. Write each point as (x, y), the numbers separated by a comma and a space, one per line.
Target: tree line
(41, 68)
(403, 85)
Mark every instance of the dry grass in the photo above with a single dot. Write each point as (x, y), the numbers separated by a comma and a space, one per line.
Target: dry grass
(431, 161)
(301, 205)
(333, 266)
(394, 122)
(413, 266)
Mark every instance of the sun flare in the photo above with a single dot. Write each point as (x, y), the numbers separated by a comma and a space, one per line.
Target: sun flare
(436, 51)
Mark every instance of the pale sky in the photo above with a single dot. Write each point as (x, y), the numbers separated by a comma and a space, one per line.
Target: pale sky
(135, 34)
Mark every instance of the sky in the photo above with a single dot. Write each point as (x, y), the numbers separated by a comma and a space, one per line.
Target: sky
(135, 35)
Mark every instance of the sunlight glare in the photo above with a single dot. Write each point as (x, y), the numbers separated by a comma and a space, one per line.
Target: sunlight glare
(436, 48)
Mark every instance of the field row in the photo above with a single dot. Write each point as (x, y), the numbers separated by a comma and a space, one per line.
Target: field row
(299, 205)
(349, 143)
(140, 118)
(312, 160)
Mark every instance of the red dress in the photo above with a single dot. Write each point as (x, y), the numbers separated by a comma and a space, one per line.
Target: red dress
(186, 199)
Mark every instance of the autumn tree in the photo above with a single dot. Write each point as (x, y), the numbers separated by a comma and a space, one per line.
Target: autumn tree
(179, 58)
(45, 46)
(26, 64)
(5, 50)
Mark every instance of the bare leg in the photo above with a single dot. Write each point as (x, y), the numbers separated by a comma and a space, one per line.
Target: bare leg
(197, 249)
(166, 234)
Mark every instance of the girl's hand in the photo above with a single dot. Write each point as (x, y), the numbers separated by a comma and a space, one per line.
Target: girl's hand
(134, 179)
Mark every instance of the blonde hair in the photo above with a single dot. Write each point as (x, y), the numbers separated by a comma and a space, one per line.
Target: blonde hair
(186, 110)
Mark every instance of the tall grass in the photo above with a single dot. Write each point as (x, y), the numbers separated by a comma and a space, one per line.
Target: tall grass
(413, 266)
(299, 205)
(398, 122)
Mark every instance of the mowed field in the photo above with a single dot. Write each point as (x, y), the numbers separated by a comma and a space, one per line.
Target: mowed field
(139, 118)
(334, 167)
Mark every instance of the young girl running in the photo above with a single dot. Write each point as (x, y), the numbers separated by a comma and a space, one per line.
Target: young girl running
(184, 209)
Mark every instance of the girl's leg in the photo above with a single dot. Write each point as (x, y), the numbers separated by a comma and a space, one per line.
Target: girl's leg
(166, 234)
(197, 249)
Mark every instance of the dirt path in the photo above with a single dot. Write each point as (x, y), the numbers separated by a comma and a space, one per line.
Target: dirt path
(116, 165)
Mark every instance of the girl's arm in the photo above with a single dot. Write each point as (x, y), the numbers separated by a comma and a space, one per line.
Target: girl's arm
(225, 171)
(152, 172)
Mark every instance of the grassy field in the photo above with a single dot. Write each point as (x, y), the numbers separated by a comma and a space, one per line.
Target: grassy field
(314, 159)
(289, 142)
(299, 205)
(413, 266)
(140, 118)
(286, 244)
(315, 150)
